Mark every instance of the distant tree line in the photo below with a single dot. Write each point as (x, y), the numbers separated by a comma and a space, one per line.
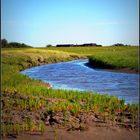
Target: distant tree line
(80, 45)
(84, 45)
(5, 44)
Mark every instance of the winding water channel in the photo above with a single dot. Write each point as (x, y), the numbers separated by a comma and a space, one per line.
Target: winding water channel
(76, 75)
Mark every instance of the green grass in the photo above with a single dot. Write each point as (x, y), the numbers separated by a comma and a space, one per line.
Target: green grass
(94, 50)
(114, 57)
(128, 59)
(34, 98)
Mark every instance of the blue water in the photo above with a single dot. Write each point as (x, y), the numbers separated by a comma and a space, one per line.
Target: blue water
(76, 75)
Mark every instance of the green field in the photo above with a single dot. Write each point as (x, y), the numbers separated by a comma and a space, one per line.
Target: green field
(34, 98)
(114, 57)
(95, 50)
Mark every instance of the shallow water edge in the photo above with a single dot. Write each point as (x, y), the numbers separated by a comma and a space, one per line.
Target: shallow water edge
(75, 75)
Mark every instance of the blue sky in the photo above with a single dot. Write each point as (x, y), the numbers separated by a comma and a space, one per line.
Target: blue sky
(42, 22)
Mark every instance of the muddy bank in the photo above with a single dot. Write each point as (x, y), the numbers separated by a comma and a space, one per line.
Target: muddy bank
(93, 133)
(101, 65)
(66, 124)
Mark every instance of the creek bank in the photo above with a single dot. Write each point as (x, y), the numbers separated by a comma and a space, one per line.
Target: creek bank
(68, 120)
(97, 64)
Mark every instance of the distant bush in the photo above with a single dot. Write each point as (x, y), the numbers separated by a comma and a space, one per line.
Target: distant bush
(120, 44)
(19, 45)
(49, 45)
(5, 44)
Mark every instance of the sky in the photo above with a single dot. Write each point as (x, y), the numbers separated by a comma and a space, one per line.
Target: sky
(42, 22)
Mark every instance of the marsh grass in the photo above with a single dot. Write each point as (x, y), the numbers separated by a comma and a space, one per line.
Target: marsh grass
(115, 60)
(109, 57)
(22, 94)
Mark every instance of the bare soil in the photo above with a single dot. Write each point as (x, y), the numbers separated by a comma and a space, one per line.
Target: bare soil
(93, 133)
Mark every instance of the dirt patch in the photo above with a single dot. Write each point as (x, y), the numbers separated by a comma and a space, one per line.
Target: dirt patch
(93, 133)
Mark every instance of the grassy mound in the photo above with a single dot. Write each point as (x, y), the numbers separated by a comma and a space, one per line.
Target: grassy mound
(115, 60)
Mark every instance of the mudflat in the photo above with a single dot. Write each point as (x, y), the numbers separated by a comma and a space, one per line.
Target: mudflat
(93, 133)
